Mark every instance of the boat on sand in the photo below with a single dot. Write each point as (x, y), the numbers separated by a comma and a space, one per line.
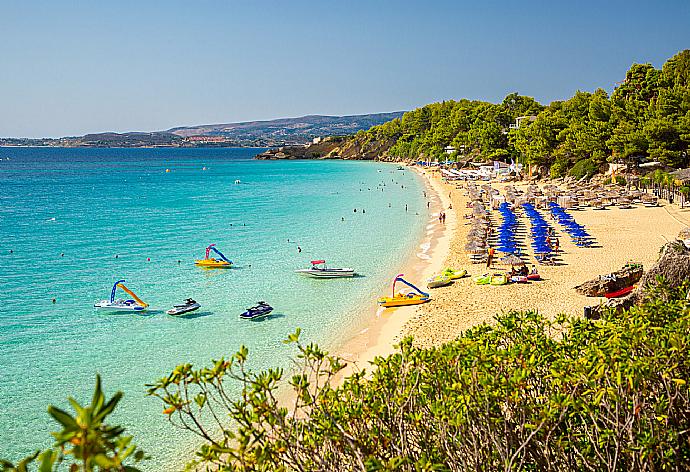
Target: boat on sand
(438, 281)
(404, 299)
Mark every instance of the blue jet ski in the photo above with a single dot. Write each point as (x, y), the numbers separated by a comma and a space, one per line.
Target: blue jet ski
(257, 311)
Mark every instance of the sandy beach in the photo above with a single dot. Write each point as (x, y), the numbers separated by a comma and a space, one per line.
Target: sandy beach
(621, 235)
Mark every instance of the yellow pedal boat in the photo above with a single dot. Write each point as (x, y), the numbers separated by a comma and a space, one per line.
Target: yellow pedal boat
(404, 299)
(211, 263)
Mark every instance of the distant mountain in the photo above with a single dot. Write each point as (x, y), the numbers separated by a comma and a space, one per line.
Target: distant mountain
(287, 130)
(271, 133)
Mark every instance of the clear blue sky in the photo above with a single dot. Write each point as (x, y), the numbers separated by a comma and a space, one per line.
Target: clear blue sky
(71, 67)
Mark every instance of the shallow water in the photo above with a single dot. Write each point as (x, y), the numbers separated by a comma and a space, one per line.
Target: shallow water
(93, 204)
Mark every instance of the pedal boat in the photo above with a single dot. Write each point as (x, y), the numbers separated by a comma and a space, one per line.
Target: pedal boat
(135, 304)
(454, 274)
(482, 279)
(404, 299)
(499, 279)
(438, 281)
(212, 263)
(188, 306)
(319, 270)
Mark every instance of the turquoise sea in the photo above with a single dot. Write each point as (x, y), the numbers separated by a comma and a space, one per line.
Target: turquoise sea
(66, 213)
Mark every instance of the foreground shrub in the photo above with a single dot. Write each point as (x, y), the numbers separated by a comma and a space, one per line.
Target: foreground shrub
(524, 394)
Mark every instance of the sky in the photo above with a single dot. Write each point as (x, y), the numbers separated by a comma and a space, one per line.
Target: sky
(73, 67)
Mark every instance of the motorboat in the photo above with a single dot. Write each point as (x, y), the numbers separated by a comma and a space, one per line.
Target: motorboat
(133, 304)
(188, 306)
(259, 310)
(319, 270)
(454, 274)
(404, 299)
(438, 281)
(221, 262)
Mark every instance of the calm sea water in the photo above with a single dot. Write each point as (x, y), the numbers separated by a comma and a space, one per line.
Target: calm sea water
(93, 204)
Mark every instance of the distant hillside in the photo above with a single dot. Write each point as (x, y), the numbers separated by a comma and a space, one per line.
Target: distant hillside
(287, 130)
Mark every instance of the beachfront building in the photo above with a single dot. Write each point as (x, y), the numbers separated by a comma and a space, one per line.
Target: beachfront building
(206, 139)
(521, 120)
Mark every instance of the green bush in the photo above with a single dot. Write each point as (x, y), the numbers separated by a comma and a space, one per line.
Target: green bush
(559, 168)
(585, 168)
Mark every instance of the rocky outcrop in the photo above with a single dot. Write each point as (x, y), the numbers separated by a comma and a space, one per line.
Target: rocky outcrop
(673, 265)
(627, 276)
(358, 147)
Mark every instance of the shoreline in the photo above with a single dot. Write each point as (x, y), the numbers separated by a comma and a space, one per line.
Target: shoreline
(377, 336)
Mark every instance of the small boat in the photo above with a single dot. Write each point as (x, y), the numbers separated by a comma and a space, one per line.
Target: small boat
(404, 299)
(484, 279)
(533, 276)
(620, 293)
(519, 279)
(259, 310)
(401, 168)
(188, 306)
(499, 279)
(438, 281)
(134, 304)
(319, 270)
(454, 274)
(212, 263)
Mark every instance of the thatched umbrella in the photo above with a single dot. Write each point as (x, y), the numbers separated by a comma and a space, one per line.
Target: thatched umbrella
(684, 233)
(512, 260)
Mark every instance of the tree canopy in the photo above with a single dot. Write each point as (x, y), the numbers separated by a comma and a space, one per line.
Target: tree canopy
(646, 116)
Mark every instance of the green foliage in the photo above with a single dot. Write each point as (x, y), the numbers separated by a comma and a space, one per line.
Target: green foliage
(525, 393)
(585, 168)
(85, 443)
(648, 115)
(559, 168)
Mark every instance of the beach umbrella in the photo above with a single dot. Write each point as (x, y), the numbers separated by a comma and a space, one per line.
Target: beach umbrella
(513, 260)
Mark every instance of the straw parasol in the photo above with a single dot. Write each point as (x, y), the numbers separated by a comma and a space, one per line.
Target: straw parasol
(513, 260)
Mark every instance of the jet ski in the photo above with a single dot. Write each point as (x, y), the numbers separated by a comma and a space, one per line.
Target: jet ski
(257, 311)
(188, 306)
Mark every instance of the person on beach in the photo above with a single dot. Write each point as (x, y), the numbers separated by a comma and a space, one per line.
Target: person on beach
(490, 259)
(450, 207)
(428, 204)
(534, 270)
